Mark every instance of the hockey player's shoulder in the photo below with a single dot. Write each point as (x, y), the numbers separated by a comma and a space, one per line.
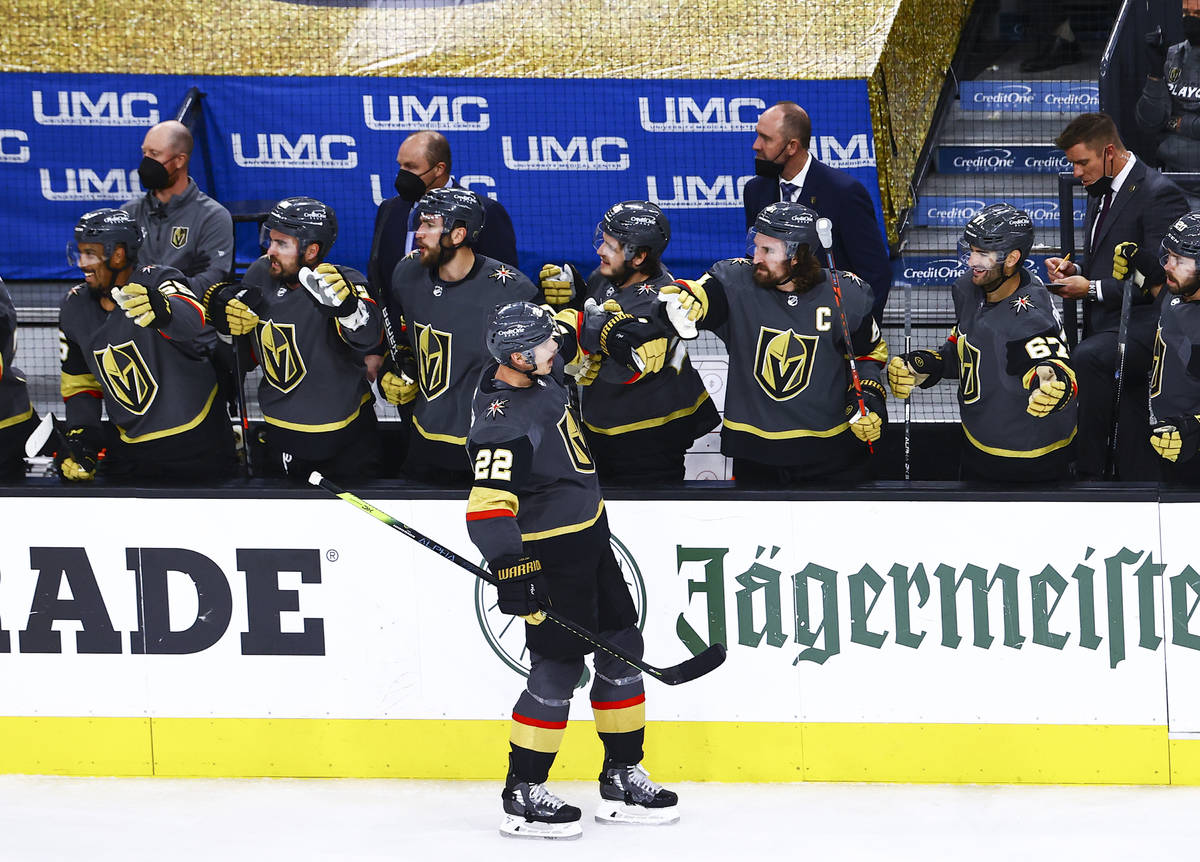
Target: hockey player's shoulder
(501, 414)
(352, 275)
(503, 274)
(732, 270)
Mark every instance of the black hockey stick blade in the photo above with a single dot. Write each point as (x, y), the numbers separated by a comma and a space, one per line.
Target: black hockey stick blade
(695, 667)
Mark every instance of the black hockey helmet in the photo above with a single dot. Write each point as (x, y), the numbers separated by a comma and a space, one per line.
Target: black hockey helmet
(455, 206)
(997, 227)
(307, 219)
(636, 225)
(1182, 238)
(109, 227)
(517, 327)
(793, 223)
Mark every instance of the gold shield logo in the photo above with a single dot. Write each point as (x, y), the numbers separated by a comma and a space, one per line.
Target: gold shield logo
(126, 376)
(179, 235)
(282, 364)
(783, 362)
(433, 360)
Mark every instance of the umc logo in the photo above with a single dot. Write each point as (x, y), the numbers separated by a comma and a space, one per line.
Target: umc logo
(85, 184)
(408, 113)
(682, 114)
(858, 152)
(547, 154)
(276, 150)
(481, 184)
(13, 153)
(692, 192)
(76, 108)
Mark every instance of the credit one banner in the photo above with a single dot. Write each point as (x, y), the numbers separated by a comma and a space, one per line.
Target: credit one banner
(556, 153)
(307, 608)
(1061, 97)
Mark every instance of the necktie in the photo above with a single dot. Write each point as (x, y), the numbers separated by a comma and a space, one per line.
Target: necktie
(787, 191)
(1104, 203)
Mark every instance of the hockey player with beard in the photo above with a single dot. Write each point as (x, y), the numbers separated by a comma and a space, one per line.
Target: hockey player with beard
(791, 410)
(438, 304)
(312, 322)
(638, 427)
(536, 514)
(135, 338)
(1016, 387)
(1175, 374)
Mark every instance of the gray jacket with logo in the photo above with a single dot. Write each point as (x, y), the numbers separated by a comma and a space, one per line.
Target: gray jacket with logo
(1175, 94)
(191, 232)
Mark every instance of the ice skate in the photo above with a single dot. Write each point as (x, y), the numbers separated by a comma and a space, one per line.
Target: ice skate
(532, 811)
(631, 797)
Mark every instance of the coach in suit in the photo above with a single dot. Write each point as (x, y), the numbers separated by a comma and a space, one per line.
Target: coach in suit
(787, 171)
(424, 160)
(1128, 201)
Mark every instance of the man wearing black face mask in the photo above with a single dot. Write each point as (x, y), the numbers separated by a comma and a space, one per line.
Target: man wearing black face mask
(787, 171)
(1130, 207)
(1170, 102)
(184, 227)
(424, 163)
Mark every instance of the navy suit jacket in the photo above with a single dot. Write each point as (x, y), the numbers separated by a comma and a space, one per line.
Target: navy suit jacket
(497, 240)
(858, 244)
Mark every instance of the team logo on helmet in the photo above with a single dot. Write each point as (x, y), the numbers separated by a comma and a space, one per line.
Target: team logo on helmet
(783, 362)
(126, 376)
(433, 360)
(179, 236)
(282, 364)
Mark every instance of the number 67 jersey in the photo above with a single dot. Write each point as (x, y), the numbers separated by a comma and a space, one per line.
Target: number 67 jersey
(997, 345)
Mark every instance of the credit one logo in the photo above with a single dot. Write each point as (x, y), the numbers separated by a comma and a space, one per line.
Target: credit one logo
(13, 153)
(682, 114)
(547, 153)
(986, 160)
(77, 108)
(277, 150)
(443, 113)
(692, 192)
(85, 184)
(961, 210)
(1012, 94)
(1077, 99)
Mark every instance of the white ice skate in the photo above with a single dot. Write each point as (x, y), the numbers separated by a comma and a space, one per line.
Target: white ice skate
(532, 811)
(629, 796)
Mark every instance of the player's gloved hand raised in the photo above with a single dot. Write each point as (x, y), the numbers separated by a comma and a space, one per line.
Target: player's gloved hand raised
(146, 306)
(333, 295)
(1156, 53)
(634, 342)
(1177, 438)
(587, 370)
(398, 388)
(1131, 262)
(686, 304)
(232, 308)
(920, 368)
(76, 461)
(522, 587)
(1052, 387)
(560, 284)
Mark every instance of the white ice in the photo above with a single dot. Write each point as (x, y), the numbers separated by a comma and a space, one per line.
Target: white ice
(131, 819)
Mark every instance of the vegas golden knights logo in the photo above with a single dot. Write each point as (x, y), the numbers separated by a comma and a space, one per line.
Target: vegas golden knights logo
(577, 448)
(126, 376)
(282, 364)
(179, 235)
(433, 360)
(783, 362)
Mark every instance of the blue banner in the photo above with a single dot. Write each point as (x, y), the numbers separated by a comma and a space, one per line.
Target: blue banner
(943, 270)
(979, 159)
(1060, 97)
(955, 212)
(556, 153)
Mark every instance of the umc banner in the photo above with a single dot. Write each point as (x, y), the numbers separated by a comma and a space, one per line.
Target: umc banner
(556, 153)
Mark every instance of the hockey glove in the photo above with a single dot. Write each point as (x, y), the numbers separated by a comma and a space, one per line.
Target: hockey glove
(686, 304)
(1130, 262)
(586, 371)
(921, 368)
(146, 306)
(1177, 439)
(1155, 53)
(521, 587)
(398, 389)
(76, 461)
(560, 284)
(867, 427)
(333, 295)
(1054, 389)
(634, 342)
(233, 308)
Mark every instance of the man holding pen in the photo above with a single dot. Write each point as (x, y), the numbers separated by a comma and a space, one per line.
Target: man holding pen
(1130, 207)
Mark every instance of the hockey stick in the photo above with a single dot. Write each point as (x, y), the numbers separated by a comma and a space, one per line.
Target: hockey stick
(35, 441)
(825, 235)
(907, 401)
(695, 667)
(1113, 471)
(240, 385)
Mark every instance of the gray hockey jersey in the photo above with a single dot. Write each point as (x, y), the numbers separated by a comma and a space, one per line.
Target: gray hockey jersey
(534, 475)
(154, 383)
(1175, 374)
(15, 407)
